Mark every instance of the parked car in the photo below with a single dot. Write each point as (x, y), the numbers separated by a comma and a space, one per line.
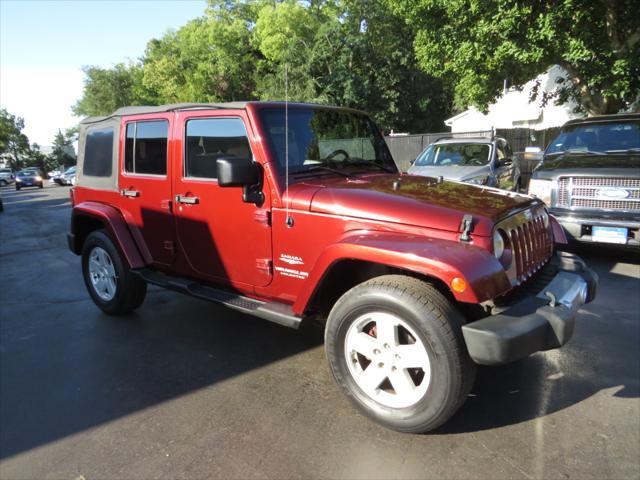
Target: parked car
(481, 161)
(52, 175)
(590, 178)
(28, 178)
(66, 178)
(6, 176)
(297, 214)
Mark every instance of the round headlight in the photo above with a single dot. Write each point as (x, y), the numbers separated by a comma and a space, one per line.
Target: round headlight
(545, 218)
(498, 244)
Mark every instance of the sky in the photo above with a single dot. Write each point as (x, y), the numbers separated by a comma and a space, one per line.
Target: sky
(45, 43)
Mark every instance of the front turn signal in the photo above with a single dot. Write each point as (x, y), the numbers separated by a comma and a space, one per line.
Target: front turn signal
(458, 284)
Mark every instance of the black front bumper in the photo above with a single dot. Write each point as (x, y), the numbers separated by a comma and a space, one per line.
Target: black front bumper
(541, 322)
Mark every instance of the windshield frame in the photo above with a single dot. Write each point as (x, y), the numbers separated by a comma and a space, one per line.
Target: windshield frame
(381, 149)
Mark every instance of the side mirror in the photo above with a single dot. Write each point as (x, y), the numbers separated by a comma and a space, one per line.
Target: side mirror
(237, 172)
(241, 172)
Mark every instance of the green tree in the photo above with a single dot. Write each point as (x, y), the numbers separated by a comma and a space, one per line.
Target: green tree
(107, 89)
(355, 53)
(14, 144)
(62, 155)
(477, 44)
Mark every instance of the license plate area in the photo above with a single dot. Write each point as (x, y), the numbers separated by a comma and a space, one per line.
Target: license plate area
(615, 235)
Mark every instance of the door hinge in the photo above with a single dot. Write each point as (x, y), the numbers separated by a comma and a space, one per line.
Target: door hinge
(265, 265)
(263, 217)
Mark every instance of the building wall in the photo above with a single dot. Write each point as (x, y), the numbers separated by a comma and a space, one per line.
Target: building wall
(514, 110)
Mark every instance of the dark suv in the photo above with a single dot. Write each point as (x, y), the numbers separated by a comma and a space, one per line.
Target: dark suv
(590, 178)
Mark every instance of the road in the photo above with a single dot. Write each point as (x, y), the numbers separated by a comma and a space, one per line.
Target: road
(188, 389)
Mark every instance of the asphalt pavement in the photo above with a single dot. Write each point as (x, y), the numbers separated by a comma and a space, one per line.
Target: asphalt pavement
(188, 389)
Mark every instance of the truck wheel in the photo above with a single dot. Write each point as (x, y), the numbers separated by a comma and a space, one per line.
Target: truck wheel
(395, 348)
(110, 283)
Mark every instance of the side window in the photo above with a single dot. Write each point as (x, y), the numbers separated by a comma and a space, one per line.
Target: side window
(500, 151)
(208, 139)
(98, 152)
(145, 150)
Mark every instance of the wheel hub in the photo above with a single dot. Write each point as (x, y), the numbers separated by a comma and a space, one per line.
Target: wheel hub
(387, 359)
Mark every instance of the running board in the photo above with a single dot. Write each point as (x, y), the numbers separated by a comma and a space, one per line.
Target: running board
(276, 312)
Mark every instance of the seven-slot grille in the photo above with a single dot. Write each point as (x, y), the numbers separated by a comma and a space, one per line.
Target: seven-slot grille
(531, 243)
(599, 193)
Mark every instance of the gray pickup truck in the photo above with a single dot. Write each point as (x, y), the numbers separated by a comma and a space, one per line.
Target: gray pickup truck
(590, 178)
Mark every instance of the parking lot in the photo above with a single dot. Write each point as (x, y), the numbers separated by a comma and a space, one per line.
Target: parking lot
(188, 389)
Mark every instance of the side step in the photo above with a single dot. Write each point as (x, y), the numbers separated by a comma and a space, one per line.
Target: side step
(273, 311)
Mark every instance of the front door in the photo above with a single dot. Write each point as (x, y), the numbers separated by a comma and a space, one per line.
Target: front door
(504, 167)
(145, 185)
(222, 238)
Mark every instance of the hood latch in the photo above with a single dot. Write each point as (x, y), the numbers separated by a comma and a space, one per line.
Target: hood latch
(466, 227)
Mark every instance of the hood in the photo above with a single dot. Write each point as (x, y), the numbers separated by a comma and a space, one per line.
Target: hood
(451, 172)
(408, 200)
(600, 165)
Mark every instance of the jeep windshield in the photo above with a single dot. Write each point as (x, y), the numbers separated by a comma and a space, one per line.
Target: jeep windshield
(597, 139)
(455, 155)
(326, 141)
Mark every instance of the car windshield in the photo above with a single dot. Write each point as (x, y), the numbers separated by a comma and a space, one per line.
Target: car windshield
(609, 137)
(455, 155)
(326, 140)
(5, 170)
(26, 173)
(70, 170)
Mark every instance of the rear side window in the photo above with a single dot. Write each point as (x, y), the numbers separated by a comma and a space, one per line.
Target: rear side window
(211, 138)
(146, 148)
(98, 152)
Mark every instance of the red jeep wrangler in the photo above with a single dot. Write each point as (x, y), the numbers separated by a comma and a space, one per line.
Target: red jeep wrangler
(298, 212)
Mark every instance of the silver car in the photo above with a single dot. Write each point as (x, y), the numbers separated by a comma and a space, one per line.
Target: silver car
(481, 161)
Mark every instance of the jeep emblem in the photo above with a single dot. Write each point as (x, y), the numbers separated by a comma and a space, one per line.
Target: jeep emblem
(613, 193)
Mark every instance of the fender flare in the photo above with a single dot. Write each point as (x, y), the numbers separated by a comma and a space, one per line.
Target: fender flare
(115, 224)
(440, 259)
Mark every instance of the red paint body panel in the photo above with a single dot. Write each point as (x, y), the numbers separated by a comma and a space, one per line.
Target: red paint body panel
(397, 220)
(115, 225)
(432, 257)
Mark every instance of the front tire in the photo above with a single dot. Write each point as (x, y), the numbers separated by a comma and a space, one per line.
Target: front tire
(395, 348)
(112, 286)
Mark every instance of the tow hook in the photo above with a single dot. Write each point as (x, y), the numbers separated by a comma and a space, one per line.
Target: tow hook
(553, 301)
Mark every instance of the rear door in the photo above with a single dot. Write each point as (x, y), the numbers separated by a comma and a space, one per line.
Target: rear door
(223, 239)
(145, 185)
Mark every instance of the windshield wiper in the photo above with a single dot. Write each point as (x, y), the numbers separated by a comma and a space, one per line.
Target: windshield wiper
(625, 150)
(575, 152)
(320, 167)
(366, 163)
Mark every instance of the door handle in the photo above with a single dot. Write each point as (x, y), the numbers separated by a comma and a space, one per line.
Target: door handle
(129, 193)
(187, 200)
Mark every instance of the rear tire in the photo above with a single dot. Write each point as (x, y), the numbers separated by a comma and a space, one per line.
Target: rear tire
(425, 329)
(17, 187)
(112, 286)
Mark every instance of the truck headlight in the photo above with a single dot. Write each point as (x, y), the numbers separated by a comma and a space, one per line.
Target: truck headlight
(481, 180)
(502, 248)
(498, 244)
(541, 189)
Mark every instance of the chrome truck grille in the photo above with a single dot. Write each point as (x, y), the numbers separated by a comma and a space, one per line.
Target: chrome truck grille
(602, 193)
(530, 242)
